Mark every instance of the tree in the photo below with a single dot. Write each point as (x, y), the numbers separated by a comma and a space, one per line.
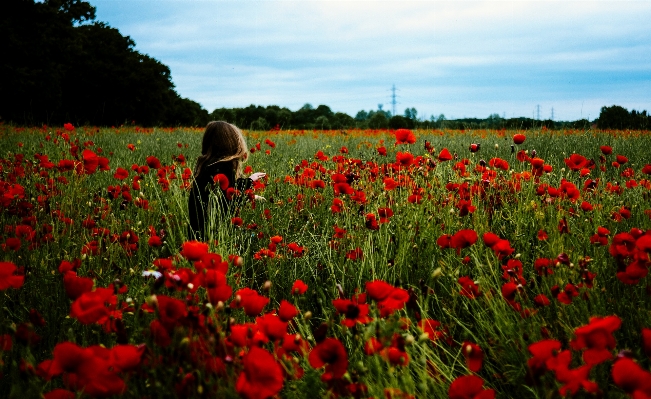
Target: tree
(399, 122)
(411, 113)
(378, 121)
(614, 117)
(361, 116)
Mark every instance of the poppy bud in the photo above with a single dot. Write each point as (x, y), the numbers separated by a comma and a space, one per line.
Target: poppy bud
(219, 307)
(152, 300)
(409, 339)
(437, 273)
(267, 285)
(307, 315)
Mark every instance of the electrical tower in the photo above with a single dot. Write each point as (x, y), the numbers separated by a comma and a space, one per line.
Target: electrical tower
(393, 100)
(538, 112)
(552, 113)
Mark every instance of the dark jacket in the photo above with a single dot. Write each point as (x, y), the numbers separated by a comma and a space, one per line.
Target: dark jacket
(200, 195)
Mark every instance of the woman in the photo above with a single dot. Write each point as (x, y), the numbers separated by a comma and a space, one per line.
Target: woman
(219, 168)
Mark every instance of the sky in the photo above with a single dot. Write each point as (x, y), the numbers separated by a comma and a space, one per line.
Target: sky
(457, 58)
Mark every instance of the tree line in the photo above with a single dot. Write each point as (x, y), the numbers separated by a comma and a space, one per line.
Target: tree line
(60, 65)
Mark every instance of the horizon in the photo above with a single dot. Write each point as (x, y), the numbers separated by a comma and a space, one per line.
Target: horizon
(461, 59)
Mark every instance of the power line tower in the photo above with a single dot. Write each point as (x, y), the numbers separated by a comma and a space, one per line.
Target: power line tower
(538, 112)
(393, 100)
(552, 113)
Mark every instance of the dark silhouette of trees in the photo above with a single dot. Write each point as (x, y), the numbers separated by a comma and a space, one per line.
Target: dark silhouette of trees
(617, 117)
(60, 66)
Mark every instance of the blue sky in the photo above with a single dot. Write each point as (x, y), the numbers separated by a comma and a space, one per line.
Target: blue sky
(461, 58)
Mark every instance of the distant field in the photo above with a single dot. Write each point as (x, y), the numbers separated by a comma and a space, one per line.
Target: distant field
(385, 264)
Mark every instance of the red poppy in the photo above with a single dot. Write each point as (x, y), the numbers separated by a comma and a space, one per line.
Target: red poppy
(298, 288)
(474, 356)
(404, 159)
(606, 150)
(171, 311)
(378, 290)
(573, 379)
(91, 161)
(131, 147)
(542, 235)
(355, 254)
(405, 136)
(498, 163)
(153, 162)
(463, 239)
(261, 377)
(222, 181)
(68, 126)
(541, 300)
(250, 300)
(194, 250)
(7, 277)
(121, 174)
(631, 378)
(469, 288)
(519, 138)
(332, 354)
(444, 155)
(542, 351)
(353, 311)
(90, 307)
(76, 286)
(382, 151)
(597, 339)
(469, 387)
(474, 147)
(576, 162)
(287, 311)
(621, 159)
(272, 326)
(390, 184)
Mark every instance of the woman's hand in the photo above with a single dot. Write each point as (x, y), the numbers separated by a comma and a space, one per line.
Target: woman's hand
(257, 176)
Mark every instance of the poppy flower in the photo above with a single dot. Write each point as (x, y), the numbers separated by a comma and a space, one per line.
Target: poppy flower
(353, 312)
(91, 162)
(469, 387)
(68, 126)
(404, 159)
(596, 339)
(7, 277)
(261, 376)
(474, 356)
(430, 327)
(444, 155)
(194, 250)
(287, 311)
(469, 288)
(542, 235)
(606, 150)
(221, 180)
(121, 174)
(153, 162)
(272, 326)
(463, 239)
(382, 151)
(355, 254)
(332, 354)
(621, 159)
(76, 286)
(542, 351)
(171, 311)
(90, 307)
(298, 288)
(390, 184)
(474, 147)
(269, 143)
(519, 138)
(378, 290)
(631, 378)
(573, 379)
(576, 162)
(405, 136)
(250, 300)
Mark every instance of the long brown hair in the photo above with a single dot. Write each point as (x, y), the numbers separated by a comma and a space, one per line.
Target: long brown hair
(222, 142)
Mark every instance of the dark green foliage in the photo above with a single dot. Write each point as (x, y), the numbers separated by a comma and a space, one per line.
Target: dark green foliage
(62, 67)
(616, 117)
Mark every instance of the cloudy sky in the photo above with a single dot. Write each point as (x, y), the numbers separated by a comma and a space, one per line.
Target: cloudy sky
(458, 58)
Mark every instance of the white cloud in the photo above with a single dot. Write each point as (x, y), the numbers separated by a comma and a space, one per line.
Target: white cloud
(443, 56)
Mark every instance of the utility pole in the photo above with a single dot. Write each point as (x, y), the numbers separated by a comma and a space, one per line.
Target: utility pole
(393, 100)
(552, 113)
(538, 111)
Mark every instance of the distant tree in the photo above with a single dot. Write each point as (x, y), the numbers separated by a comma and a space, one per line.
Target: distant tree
(342, 121)
(614, 117)
(398, 122)
(307, 107)
(378, 121)
(361, 116)
(322, 122)
(411, 113)
(260, 124)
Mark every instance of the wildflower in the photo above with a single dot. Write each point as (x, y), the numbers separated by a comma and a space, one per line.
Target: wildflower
(261, 376)
(332, 354)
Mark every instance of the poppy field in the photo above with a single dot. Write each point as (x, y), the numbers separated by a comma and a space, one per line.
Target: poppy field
(381, 264)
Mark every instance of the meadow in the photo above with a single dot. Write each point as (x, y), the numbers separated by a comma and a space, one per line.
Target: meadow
(383, 263)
